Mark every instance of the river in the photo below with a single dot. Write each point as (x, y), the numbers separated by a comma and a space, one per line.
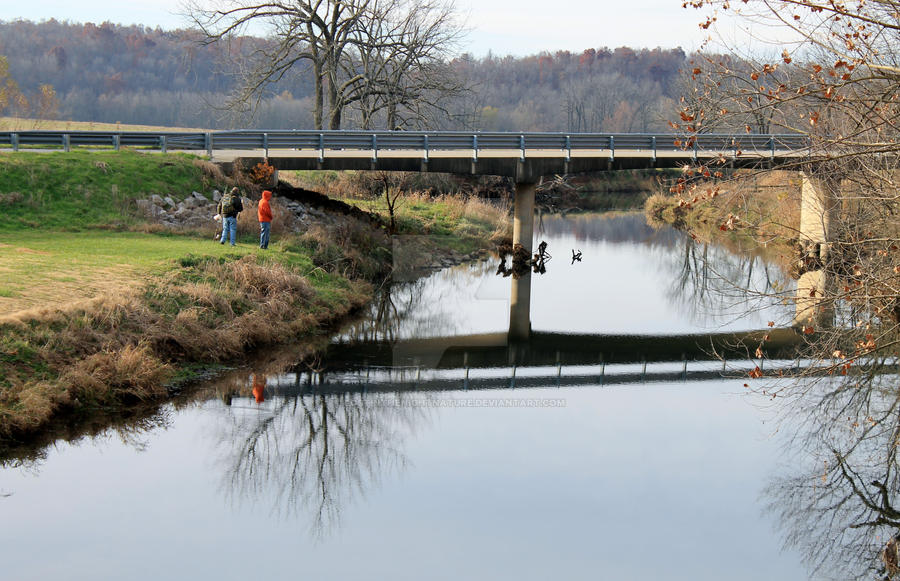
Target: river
(388, 459)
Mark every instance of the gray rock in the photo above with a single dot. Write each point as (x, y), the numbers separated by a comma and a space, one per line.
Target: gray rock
(199, 196)
(170, 202)
(157, 199)
(217, 195)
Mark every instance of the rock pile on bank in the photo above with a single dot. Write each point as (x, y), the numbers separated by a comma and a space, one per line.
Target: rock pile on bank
(196, 211)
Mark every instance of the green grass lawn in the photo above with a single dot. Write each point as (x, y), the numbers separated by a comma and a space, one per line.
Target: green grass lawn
(41, 267)
(73, 191)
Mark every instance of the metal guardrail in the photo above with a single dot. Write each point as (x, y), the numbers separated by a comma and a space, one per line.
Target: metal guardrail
(375, 141)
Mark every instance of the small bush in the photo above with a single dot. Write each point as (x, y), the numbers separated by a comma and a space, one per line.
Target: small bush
(132, 373)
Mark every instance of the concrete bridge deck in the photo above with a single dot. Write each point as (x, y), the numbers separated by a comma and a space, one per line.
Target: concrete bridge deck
(523, 156)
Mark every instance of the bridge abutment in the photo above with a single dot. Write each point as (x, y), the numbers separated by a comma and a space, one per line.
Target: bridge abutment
(819, 205)
(818, 212)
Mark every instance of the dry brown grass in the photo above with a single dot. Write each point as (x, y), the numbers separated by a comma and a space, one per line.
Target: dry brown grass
(767, 204)
(213, 172)
(25, 124)
(131, 373)
(121, 348)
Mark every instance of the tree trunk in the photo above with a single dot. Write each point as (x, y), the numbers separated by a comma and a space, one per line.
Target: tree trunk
(320, 99)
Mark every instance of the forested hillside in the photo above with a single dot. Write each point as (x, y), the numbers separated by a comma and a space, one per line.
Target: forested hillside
(131, 74)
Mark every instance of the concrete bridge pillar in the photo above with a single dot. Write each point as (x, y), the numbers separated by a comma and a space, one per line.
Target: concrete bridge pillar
(818, 212)
(523, 215)
(520, 308)
(819, 205)
(523, 233)
(814, 307)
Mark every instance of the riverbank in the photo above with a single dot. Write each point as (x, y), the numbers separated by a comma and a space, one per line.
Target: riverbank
(758, 213)
(118, 306)
(623, 190)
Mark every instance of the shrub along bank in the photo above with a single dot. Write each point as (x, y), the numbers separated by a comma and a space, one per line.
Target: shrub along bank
(754, 211)
(161, 299)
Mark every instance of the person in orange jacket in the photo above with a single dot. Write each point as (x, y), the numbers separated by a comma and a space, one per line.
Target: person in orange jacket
(259, 387)
(264, 212)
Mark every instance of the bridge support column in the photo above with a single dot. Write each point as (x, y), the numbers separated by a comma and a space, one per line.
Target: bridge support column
(523, 215)
(813, 308)
(818, 216)
(818, 209)
(520, 308)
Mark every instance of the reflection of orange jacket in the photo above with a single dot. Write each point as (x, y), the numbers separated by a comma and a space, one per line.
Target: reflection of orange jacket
(264, 210)
(259, 387)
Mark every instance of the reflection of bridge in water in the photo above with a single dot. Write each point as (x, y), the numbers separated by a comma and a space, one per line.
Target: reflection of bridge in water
(539, 357)
(543, 359)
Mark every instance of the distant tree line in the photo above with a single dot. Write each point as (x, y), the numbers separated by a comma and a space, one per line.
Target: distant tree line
(134, 74)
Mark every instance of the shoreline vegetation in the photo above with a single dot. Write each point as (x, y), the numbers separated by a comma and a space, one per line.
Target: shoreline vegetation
(102, 308)
(755, 212)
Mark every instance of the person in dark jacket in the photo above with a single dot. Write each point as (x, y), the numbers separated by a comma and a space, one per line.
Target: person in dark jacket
(229, 207)
(264, 213)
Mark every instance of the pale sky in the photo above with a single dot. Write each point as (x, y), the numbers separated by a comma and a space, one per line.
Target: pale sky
(517, 27)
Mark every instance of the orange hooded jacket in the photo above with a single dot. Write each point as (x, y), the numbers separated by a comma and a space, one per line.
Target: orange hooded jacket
(264, 211)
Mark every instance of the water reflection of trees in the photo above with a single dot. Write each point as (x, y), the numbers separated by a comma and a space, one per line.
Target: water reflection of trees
(839, 505)
(612, 228)
(315, 454)
(423, 308)
(131, 426)
(712, 281)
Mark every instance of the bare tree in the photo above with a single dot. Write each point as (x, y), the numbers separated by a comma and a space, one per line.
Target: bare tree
(373, 54)
(836, 80)
(404, 56)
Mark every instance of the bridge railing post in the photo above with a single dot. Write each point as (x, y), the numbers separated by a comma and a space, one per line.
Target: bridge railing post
(653, 145)
(474, 148)
(208, 143)
(772, 148)
(568, 148)
(117, 141)
(163, 143)
(66, 141)
(612, 148)
(14, 138)
(425, 139)
(321, 148)
(266, 144)
(374, 148)
(522, 147)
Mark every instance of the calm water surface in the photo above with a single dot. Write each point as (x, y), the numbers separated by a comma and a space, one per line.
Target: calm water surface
(634, 481)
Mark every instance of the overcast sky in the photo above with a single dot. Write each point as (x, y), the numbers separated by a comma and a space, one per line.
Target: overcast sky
(516, 27)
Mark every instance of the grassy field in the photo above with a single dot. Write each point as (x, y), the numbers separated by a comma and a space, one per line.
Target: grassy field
(65, 222)
(45, 268)
(22, 124)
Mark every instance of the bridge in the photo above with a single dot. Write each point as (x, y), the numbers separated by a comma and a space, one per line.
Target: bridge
(525, 157)
(522, 156)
